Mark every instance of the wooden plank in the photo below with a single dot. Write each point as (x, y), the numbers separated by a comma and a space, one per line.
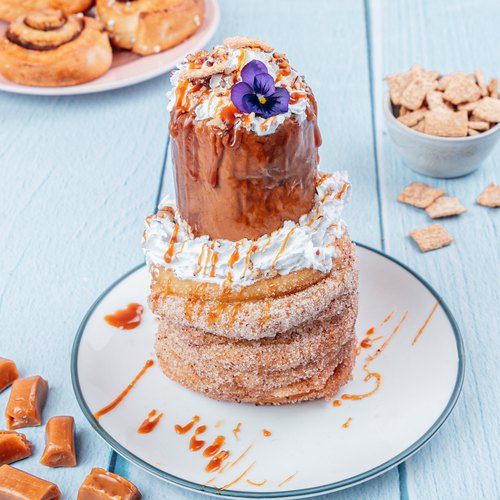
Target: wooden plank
(335, 63)
(78, 176)
(462, 461)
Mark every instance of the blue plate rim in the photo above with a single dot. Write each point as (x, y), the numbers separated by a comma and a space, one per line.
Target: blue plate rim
(301, 493)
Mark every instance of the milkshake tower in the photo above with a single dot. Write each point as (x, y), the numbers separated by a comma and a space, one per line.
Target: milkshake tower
(253, 276)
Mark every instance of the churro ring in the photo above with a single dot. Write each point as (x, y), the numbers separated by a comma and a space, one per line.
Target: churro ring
(325, 385)
(286, 351)
(263, 309)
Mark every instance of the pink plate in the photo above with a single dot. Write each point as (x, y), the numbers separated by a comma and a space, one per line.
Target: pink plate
(128, 68)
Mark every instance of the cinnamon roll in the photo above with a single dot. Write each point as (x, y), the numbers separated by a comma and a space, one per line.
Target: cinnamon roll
(48, 48)
(150, 26)
(12, 9)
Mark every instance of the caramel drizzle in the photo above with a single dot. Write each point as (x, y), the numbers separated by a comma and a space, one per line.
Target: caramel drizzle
(322, 179)
(184, 430)
(262, 483)
(207, 258)
(266, 433)
(215, 447)
(289, 478)
(370, 359)
(218, 423)
(388, 318)
(238, 479)
(234, 256)
(424, 326)
(111, 406)
(336, 403)
(169, 254)
(342, 191)
(196, 444)
(346, 424)
(236, 431)
(283, 246)
(267, 243)
(215, 258)
(149, 424)
(200, 260)
(241, 457)
(216, 462)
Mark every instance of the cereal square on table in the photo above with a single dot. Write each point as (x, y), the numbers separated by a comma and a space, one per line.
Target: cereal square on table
(445, 207)
(490, 197)
(431, 237)
(419, 194)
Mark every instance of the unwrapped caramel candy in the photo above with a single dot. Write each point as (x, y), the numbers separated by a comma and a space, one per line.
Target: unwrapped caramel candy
(103, 485)
(13, 447)
(8, 373)
(18, 485)
(26, 401)
(59, 443)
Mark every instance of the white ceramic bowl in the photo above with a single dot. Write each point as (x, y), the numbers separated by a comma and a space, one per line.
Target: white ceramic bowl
(435, 156)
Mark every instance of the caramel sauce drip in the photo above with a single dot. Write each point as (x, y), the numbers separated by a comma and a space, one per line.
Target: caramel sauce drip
(216, 462)
(228, 115)
(237, 430)
(369, 376)
(169, 254)
(182, 103)
(196, 444)
(337, 403)
(215, 447)
(241, 457)
(239, 478)
(388, 317)
(283, 246)
(289, 478)
(150, 422)
(123, 394)
(234, 314)
(424, 326)
(371, 331)
(342, 191)
(215, 258)
(126, 319)
(346, 424)
(322, 179)
(234, 256)
(262, 483)
(216, 313)
(184, 430)
(366, 343)
(266, 433)
(296, 96)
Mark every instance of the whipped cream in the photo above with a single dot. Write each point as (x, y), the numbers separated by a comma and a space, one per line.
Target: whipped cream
(170, 243)
(219, 95)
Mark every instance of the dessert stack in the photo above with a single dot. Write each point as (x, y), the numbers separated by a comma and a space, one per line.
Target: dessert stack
(253, 272)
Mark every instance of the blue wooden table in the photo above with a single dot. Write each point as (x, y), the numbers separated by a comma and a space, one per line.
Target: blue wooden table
(78, 175)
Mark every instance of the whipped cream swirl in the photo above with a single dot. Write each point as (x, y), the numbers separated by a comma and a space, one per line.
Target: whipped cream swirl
(310, 243)
(218, 96)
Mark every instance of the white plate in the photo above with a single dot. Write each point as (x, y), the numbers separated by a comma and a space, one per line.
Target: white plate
(129, 68)
(420, 386)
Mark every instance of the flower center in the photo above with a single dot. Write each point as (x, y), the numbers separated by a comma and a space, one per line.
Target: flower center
(262, 99)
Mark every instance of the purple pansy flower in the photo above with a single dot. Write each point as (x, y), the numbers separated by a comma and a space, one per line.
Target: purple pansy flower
(257, 93)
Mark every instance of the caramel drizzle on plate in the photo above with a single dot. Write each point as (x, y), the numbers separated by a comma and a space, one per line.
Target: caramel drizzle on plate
(262, 483)
(289, 478)
(239, 478)
(111, 406)
(184, 430)
(150, 422)
(236, 431)
(215, 464)
(196, 444)
(347, 423)
(126, 319)
(424, 326)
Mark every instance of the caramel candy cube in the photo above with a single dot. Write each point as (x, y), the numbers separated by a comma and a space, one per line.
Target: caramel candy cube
(59, 443)
(18, 485)
(8, 373)
(13, 447)
(26, 401)
(103, 485)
